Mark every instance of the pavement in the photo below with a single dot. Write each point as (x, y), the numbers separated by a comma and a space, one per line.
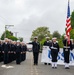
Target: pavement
(27, 68)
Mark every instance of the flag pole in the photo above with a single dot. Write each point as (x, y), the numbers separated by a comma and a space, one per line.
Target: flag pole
(68, 0)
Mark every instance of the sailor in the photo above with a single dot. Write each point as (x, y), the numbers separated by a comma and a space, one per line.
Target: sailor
(22, 52)
(66, 50)
(35, 48)
(14, 50)
(24, 47)
(54, 52)
(6, 51)
(10, 51)
(47, 43)
(18, 52)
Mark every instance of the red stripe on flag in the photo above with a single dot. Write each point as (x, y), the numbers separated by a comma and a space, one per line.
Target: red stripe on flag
(68, 19)
(68, 30)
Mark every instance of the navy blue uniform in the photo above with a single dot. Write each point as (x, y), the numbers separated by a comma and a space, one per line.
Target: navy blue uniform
(35, 48)
(54, 51)
(66, 50)
(13, 48)
(10, 54)
(21, 53)
(24, 52)
(6, 48)
(18, 54)
(47, 43)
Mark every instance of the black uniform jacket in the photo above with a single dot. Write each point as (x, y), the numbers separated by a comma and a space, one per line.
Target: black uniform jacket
(65, 43)
(55, 46)
(6, 47)
(18, 48)
(47, 43)
(36, 46)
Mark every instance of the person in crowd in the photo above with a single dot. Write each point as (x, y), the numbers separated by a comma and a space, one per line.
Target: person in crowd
(54, 52)
(10, 51)
(21, 51)
(2, 56)
(66, 50)
(18, 53)
(6, 51)
(35, 48)
(47, 43)
(13, 48)
(24, 49)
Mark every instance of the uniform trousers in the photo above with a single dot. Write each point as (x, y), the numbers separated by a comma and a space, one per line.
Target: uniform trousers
(54, 54)
(66, 55)
(35, 56)
(6, 57)
(18, 58)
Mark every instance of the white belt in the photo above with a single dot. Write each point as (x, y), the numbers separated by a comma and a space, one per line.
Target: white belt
(66, 47)
(53, 48)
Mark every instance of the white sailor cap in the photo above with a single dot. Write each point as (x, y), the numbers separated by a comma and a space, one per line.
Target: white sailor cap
(18, 41)
(6, 39)
(35, 37)
(47, 37)
(57, 41)
(54, 38)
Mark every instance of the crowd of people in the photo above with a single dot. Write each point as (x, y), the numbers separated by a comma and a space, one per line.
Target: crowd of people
(12, 50)
(54, 47)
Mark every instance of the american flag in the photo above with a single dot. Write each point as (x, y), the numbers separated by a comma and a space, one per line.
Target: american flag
(68, 22)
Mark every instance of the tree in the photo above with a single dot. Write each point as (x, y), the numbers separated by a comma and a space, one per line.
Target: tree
(21, 39)
(12, 38)
(9, 35)
(72, 20)
(60, 42)
(56, 34)
(72, 34)
(41, 33)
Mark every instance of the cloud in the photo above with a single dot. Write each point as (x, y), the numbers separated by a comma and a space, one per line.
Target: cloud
(27, 15)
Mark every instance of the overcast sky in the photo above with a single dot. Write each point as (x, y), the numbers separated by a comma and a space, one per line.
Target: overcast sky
(27, 15)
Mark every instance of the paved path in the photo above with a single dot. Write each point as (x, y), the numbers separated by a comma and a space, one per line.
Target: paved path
(27, 68)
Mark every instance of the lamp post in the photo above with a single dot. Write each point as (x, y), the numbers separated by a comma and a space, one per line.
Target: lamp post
(6, 27)
(16, 34)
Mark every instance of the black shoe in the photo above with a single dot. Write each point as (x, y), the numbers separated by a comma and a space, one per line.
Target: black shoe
(34, 64)
(37, 64)
(52, 67)
(55, 67)
(18, 63)
(45, 63)
(49, 63)
(67, 68)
